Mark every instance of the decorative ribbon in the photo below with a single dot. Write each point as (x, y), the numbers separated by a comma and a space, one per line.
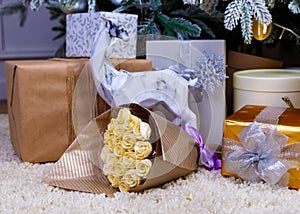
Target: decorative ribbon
(115, 30)
(206, 156)
(262, 154)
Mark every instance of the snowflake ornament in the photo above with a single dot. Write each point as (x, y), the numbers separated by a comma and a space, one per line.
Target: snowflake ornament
(206, 75)
(210, 73)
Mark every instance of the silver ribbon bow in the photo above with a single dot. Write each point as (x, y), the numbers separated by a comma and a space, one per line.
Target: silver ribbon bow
(260, 156)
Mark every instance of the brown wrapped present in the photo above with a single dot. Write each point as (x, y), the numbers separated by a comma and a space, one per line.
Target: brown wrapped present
(39, 97)
(132, 65)
(263, 144)
(127, 148)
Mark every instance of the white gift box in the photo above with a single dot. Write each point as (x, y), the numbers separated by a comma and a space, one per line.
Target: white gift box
(266, 87)
(82, 29)
(210, 107)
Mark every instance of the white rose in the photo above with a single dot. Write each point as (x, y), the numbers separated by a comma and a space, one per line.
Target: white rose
(130, 155)
(114, 180)
(142, 149)
(112, 124)
(118, 131)
(143, 167)
(142, 131)
(129, 162)
(131, 122)
(119, 150)
(106, 154)
(128, 141)
(131, 178)
(113, 142)
(123, 114)
(119, 168)
(108, 139)
(108, 168)
(123, 186)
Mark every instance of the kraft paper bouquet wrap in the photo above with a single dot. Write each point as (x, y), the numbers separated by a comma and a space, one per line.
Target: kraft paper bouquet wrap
(263, 144)
(127, 148)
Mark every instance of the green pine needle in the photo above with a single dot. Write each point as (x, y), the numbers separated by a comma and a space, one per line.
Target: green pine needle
(178, 27)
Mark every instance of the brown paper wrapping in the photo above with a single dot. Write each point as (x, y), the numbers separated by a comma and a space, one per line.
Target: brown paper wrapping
(79, 168)
(237, 61)
(288, 124)
(39, 96)
(132, 65)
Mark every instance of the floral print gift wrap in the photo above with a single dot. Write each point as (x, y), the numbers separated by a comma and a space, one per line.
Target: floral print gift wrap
(127, 148)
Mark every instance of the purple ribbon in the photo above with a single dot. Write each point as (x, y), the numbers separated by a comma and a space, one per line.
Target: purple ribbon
(206, 156)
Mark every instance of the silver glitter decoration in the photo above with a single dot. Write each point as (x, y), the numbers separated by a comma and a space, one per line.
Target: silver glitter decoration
(210, 73)
(207, 75)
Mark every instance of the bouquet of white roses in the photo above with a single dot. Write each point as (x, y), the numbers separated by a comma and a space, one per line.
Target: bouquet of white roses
(128, 148)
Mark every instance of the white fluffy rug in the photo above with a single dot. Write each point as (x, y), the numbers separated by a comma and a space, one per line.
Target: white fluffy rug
(22, 191)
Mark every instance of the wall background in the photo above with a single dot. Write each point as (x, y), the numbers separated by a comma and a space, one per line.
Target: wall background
(33, 41)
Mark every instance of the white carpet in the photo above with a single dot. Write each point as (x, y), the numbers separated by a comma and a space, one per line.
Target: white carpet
(22, 191)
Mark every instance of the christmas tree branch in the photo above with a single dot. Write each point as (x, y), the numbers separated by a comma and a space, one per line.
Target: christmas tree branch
(12, 8)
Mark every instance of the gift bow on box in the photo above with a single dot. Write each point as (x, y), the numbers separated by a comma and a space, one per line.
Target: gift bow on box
(262, 154)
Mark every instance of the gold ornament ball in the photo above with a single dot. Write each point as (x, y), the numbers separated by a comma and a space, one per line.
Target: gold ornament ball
(261, 31)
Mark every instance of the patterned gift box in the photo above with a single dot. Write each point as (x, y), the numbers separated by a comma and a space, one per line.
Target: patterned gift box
(263, 144)
(82, 28)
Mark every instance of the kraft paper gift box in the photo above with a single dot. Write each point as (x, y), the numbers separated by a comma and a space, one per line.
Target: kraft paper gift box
(262, 143)
(132, 65)
(39, 97)
(97, 162)
(210, 106)
(82, 28)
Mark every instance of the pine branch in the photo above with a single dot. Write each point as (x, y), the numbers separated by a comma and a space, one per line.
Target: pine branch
(178, 27)
(155, 4)
(204, 27)
(246, 21)
(67, 3)
(185, 27)
(232, 14)
(124, 6)
(197, 16)
(12, 8)
(294, 6)
(55, 12)
(149, 27)
(261, 12)
(271, 3)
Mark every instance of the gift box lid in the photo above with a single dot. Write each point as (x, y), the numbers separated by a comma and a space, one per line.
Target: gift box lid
(271, 80)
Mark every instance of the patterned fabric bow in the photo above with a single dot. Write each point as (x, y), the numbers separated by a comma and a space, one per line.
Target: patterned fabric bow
(263, 155)
(115, 30)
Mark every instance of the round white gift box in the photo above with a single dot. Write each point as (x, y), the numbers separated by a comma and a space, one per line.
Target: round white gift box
(266, 87)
